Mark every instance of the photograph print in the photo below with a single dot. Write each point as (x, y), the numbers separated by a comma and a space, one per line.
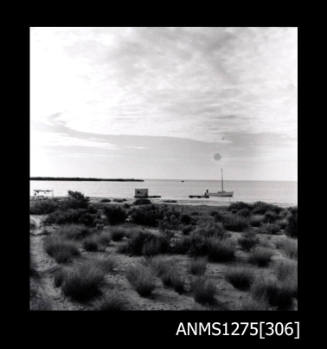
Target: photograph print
(163, 168)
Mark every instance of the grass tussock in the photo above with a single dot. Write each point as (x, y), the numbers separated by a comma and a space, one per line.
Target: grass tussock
(115, 214)
(286, 269)
(142, 202)
(261, 256)
(118, 233)
(221, 250)
(248, 241)
(108, 264)
(198, 266)
(74, 231)
(204, 291)
(277, 294)
(92, 244)
(63, 251)
(83, 281)
(40, 207)
(112, 301)
(288, 247)
(144, 243)
(142, 280)
(235, 222)
(240, 277)
(71, 216)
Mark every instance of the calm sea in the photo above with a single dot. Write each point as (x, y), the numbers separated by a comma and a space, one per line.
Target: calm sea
(281, 193)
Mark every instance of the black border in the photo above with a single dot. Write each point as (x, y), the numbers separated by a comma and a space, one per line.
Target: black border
(129, 325)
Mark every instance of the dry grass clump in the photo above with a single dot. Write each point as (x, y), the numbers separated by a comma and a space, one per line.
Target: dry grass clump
(254, 305)
(118, 233)
(198, 266)
(111, 301)
(43, 206)
(248, 241)
(286, 270)
(221, 250)
(235, 222)
(277, 294)
(74, 231)
(288, 246)
(142, 280)
(104, 238)
(261, 256)
(204, 291)
(83, 281)
(115, 214)
(171, 278)
(240, 277)
(92, 244)
(107, 264)
(63, 251)
(144, 243)
(256, 220)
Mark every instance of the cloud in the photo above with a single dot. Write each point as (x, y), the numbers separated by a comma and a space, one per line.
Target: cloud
(232, 87)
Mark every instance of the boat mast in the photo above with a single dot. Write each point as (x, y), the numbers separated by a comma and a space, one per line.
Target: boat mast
(222, 180)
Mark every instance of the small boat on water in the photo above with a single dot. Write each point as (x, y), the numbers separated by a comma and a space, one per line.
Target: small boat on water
(222, 193)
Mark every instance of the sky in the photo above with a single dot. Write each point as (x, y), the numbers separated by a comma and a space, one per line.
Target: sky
(162, 102)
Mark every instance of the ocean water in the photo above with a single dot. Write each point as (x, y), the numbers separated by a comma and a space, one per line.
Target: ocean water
(277, 192)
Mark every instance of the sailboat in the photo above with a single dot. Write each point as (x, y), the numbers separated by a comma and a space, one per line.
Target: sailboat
(222, 193)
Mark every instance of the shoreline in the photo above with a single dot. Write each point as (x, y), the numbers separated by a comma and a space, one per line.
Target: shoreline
(180, 202)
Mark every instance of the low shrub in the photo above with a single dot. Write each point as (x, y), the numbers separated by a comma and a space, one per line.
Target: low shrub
(244, 212)
(107, 264)
(239, 205)
(256, 220)
(117, 234)
(269, 228)
(59, 276)
(142, 202)
(291, 228)
(186, 230)
(142, 280)
(180, 245)
(146, 243)
(277, 294)
(71, 216)
(115, 214)
(198, 266)
(74, 231)
(43, 206)
(75, 200)
(198, 245)
(261, 256)
(248, 241)
(148, 215)
(61, 250)
(260, 207)
(288, 246)
(112, 301)
(204, 291)
(220, 250)
(83, 282)
(286, 269)
(211, 230)
(104, 238)
(91, 244)
(186, 219)
(270, 216)
(235, 222)
(240, 277)
(105, 200)
(174, 280)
